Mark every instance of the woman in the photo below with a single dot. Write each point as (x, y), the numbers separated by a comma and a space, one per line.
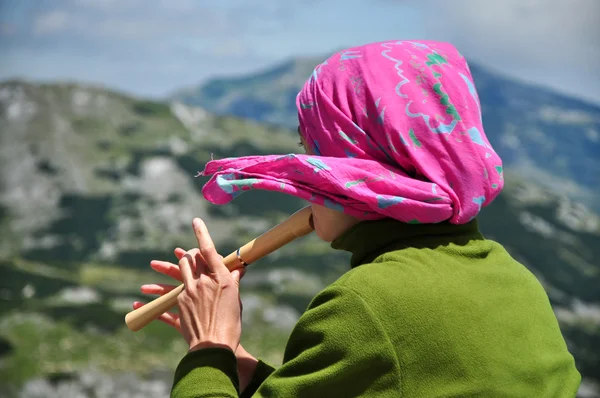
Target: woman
(397, 167)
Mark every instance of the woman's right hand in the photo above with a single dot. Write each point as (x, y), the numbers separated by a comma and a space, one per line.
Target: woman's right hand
(245, 361)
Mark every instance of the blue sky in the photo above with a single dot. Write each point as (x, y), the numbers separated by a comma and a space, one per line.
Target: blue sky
(153, 47)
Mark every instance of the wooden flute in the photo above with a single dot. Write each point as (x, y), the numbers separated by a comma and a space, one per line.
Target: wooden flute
(297, 225)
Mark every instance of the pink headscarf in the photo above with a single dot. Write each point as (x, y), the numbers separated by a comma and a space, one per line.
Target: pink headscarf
(397, 132)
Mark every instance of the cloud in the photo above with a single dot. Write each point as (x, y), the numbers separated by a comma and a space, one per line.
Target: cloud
(129, 20)
(533, 31)
(553, 42)
(182, 24)
(7, 29)
(50, 22)
(149, 49)
(105, 5)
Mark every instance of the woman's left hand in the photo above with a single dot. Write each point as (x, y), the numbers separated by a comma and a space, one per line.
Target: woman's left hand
(209, 306)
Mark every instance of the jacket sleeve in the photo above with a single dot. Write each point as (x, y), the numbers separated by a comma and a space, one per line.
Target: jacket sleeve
(338, 348)
(212, 372)
(209, 372)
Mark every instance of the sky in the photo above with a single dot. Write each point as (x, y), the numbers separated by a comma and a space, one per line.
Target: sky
(152, 48)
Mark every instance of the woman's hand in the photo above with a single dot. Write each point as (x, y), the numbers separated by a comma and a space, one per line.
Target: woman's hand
(209, 306)
(246, 362)
(171, 270)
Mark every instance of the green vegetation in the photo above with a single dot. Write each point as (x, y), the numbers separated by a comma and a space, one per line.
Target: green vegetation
(151, 108)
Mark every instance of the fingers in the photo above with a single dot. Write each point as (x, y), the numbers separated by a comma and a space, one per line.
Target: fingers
(173, 270)
(179, 252)
(169, 318)
(166, 268)
(185, 266)
(214, 261)
(201, 267)
(157, 288)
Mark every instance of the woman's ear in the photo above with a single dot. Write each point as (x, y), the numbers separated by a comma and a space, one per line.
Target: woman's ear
(301, 142)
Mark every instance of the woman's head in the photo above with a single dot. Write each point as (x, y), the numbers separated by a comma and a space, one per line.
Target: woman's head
(411, 106)
(393, 129)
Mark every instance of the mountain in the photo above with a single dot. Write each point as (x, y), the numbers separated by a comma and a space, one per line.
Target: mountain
(268, 96)
(542, 135)
(95, 184)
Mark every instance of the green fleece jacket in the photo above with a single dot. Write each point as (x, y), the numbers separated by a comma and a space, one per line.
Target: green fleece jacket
(425, 311)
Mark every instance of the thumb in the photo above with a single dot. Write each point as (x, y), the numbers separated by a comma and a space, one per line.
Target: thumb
(237, 274)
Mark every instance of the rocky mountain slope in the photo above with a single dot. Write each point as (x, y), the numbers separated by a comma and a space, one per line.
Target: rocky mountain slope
(95, 184)
(548, 137)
